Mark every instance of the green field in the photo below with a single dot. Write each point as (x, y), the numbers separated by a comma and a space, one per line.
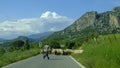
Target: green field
(11, 57)
(102, 52)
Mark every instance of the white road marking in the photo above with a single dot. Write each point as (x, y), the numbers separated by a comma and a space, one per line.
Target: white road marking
(77, 62)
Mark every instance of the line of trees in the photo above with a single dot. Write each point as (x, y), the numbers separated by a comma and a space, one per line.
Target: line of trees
(19, 45)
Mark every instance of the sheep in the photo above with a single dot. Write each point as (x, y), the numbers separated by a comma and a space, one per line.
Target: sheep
(61, 51)
(57, 51)
(78, 51)
(67, 52)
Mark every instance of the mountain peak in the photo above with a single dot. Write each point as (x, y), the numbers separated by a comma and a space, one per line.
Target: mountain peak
(92, 22)
(91, 12)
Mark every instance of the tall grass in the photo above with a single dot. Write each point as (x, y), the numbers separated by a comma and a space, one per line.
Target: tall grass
(102, 53)
(11, 57)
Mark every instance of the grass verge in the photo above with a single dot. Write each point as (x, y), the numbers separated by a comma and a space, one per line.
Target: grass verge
(104, 52)
(11, 57)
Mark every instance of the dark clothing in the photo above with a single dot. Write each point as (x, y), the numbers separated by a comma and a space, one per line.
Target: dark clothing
(46, 55)
(46, 51)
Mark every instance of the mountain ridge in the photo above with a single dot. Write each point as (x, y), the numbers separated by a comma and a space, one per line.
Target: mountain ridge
(91, 22)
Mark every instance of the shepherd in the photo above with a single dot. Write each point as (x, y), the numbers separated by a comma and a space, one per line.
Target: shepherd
(46, 52)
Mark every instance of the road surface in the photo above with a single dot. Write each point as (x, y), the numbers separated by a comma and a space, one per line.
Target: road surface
(38, 62)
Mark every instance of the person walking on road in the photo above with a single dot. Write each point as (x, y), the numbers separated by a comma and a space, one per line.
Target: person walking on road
(46, 51)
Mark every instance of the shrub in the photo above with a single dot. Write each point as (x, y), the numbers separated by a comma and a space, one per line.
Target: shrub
(2, 51)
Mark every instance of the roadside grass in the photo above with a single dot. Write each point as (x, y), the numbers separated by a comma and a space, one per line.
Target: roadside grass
(12, 57)
(104, 52)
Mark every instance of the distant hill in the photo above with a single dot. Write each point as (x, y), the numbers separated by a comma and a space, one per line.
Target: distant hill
(32, 38)
(39, 36)
(1, 40)
(91, 22)
(7, 43)
(23, 38)
(36, 36)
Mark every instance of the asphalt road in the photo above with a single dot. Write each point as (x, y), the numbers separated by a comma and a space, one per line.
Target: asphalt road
(38, 62)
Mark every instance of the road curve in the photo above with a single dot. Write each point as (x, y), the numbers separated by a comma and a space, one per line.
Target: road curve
(38, 62)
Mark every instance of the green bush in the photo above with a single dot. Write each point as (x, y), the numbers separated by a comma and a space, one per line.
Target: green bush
(2, 51)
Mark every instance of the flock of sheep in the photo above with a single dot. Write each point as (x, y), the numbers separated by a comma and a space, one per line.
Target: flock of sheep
(63, 52)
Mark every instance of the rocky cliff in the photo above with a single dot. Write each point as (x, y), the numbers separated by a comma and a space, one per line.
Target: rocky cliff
(102, 23)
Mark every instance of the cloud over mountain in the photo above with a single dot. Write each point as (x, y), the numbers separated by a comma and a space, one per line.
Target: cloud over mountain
(49, 14)
(48, 21)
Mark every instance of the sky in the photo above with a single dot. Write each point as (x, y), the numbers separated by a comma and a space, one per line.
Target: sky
(25, 17)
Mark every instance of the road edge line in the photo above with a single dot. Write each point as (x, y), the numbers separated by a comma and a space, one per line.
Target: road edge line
(77, 62)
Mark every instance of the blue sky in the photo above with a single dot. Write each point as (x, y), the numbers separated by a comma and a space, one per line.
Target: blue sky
(25, 17)
(15, 9)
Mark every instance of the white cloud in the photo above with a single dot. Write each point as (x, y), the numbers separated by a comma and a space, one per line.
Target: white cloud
(48, 21)
(52, 29)
(53, 15)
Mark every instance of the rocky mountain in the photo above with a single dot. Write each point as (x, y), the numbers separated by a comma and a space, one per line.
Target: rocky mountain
(91, 22)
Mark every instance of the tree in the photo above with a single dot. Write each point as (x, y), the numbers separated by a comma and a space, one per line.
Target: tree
(11, 49)
(70, 44)
(54, 44)
(2, 51)
(16, 45)
(26, 45)
(35, 45)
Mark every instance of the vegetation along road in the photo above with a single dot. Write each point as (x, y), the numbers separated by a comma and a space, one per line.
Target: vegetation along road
(55, 61)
